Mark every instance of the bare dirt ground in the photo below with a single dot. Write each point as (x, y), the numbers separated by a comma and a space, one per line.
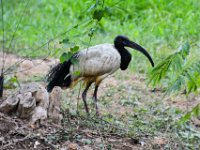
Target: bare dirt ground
(116, 96)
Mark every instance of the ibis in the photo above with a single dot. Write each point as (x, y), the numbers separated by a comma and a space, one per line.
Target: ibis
(93, 65)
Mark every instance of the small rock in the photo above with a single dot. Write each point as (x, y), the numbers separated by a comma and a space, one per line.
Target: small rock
(36, 144)
(72, 146)
(142, 143)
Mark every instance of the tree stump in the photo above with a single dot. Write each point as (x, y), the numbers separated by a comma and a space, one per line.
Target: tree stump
(54, 111)
(9, 104)
(32, 102)
(27, 104)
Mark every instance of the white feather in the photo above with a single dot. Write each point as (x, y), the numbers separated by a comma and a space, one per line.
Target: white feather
(98, 61)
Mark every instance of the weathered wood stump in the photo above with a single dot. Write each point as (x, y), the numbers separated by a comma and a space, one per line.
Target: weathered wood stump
(26, 105)
(9, 104)
(54, 105)
(34, 103)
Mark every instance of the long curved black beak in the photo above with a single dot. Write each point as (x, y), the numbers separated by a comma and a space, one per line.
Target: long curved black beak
(139, 48)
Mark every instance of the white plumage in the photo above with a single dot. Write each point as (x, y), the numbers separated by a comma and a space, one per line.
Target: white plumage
(99, 62)
(93, 65)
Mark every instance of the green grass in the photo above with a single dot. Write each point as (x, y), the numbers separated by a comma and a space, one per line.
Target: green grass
(160, 26)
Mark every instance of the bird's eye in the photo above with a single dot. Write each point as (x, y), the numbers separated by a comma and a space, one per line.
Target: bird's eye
(124, 42)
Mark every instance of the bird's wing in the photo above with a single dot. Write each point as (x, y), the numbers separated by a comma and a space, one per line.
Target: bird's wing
(97, 60)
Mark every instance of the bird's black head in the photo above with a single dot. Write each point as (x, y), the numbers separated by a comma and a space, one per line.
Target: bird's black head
(121, 41)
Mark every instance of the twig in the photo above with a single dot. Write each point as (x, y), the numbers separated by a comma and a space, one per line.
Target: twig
(79, 91)
(3, 60)
(19, 21)
(15, 141)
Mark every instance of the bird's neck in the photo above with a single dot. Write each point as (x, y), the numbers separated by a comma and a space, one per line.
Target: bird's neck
(125, 56)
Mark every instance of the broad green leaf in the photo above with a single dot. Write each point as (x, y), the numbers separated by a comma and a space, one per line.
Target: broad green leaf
(98, 14)
(74, 49)
(65, 56)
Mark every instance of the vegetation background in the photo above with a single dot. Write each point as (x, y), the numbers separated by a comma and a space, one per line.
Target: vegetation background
(168, 29)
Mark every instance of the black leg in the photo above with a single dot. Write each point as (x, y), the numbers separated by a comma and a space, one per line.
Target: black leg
(95, 99)
(84, 94)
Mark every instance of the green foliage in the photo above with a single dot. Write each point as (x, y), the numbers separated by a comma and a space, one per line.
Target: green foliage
(98, 14)
(11, 82)
(65, 56)
(72, 50)
(189, 78)
(177, 71)
(173, 62)
(151, 23)
(180, 73)
(194, 112)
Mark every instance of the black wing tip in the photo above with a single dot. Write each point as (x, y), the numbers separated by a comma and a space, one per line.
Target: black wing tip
(59, 75)
(49, 88)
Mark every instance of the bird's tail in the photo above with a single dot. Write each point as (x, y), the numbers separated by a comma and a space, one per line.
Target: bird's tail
(59, 76)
